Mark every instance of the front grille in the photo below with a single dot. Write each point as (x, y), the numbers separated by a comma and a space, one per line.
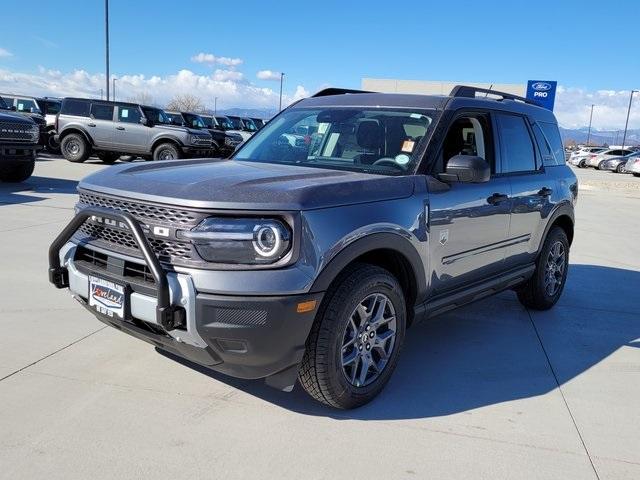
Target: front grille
(107, 237)
(95, 260)
(173, 216)
(204, 141)
(18, 132)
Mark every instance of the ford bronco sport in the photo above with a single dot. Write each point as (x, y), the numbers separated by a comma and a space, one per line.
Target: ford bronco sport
(113, 129)
(309, 261)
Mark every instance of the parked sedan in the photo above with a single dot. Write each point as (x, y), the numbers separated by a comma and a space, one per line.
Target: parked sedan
(596, 160)
(617, 164)
(579, 157)
(633, 166)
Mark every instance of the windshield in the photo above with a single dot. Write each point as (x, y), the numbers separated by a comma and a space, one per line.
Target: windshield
(236, 123)
(208, 121)
(193, 121)
(225, 123)
(378, 140)
(156, 115)
(250, 125)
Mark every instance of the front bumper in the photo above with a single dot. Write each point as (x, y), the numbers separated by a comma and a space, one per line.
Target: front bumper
(18, 151)
(198, 151)
(242, 336)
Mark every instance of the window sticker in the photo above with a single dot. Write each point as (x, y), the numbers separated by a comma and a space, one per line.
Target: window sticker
(407, 146)
(21, 106)
(402, 159)
(124, 113)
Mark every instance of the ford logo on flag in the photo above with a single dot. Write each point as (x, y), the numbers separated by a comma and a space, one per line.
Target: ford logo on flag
(541, 87)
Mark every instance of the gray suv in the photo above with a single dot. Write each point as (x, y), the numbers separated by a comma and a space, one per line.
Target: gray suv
(112, 129)
(310, 261)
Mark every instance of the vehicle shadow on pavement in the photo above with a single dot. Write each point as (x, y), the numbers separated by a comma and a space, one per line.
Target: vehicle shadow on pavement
(37, 187)
(490, 352)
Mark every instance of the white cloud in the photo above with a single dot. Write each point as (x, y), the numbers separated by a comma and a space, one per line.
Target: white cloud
(227, 75)
(5, 53)
(230, 86)
(300, 93)
(210, 58)
(573, 107)
(268, 75)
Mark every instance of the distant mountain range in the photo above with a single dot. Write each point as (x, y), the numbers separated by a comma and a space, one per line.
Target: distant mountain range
(601, 137)
(263, 113)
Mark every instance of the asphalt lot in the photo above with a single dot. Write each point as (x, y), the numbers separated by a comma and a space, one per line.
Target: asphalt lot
(488, 391)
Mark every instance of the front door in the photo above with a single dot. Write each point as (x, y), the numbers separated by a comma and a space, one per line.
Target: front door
(468, 222)
(130, 135)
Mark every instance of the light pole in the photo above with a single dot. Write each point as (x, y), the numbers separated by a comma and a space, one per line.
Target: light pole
(281, 81)
(106, 31)
(626, 124)
(590, 118)
(114, 89)
(215, 106)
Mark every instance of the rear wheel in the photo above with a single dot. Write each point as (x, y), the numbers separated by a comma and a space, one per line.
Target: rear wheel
(581, 164)
(16, 171)
(166, 151)
(75, 148)
(543, 289)
(355, 342)
(620, 168)
(108, 157)
(52, 146)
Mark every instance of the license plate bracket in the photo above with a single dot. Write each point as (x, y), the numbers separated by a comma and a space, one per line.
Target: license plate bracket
(107, 297)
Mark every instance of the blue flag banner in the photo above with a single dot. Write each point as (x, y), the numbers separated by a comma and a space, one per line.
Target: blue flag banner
(542, 92)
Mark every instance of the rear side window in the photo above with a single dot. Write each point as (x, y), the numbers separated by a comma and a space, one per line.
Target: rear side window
(516, 147)
(102, 112)
(26, 105)
(78, 108)
(549, 143)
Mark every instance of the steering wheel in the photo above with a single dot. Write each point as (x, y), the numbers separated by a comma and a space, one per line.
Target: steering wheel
(389, 162)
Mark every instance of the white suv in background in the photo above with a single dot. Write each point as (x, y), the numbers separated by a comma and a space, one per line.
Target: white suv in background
(595, 159)
(579, 157)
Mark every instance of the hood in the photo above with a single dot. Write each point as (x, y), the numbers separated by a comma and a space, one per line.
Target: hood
(230, 184)
(173, 128)
(9, 116)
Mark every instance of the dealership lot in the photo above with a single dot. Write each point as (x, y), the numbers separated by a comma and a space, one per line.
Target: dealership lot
(487, 391)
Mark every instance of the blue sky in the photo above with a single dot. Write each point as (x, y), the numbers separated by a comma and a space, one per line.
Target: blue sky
(154, 44)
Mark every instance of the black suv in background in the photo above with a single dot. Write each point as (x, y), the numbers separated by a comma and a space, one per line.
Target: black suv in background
(224, 143)
(112, 129)
(29, 107)
(309, 260)
(19, 136)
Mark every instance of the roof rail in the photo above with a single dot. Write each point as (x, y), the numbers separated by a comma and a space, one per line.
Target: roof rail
(470, 92)
(336, 91)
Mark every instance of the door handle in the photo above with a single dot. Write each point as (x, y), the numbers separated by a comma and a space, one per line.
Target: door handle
(119, 128)
(91, 125)
(497, 198)
(545, 192)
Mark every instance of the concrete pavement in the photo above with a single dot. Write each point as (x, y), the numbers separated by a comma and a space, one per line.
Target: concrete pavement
(488, 391)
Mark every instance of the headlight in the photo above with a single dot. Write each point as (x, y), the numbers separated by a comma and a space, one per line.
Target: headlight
(246, 241)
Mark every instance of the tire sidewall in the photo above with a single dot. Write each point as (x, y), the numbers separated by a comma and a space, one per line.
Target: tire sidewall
(349, 394)
(166, 147)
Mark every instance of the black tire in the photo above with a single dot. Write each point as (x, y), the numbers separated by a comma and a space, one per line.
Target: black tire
(581, 164)
(599, 166)
(535, 293)
(636, 174)
(166, 151)
(620, 168)
(108, 157)
(52, 146)
(16, 171)
(321, 373)
(75, 148)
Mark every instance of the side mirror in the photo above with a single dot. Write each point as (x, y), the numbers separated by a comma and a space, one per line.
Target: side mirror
(144, 121)
(466, 169)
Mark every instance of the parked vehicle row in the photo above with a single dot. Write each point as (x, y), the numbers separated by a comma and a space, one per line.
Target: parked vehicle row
(602, 158)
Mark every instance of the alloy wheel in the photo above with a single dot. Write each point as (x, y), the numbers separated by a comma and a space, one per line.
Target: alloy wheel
(554, 269)
(368, 340)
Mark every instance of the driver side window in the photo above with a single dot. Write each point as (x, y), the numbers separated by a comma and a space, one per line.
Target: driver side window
(468, 135)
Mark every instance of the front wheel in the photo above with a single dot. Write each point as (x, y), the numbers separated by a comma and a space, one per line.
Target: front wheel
(166, 151)
(620, 168)
(543, 289)
(75, 148)
(356, 339)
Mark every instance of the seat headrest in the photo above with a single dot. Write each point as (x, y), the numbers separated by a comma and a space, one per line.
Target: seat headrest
(369, 134)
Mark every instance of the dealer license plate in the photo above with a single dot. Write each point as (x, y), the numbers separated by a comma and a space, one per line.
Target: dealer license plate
(106, 297)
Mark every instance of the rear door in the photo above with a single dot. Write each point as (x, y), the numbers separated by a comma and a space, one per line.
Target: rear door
(101, 126)
(130, 135)
(531, 188)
